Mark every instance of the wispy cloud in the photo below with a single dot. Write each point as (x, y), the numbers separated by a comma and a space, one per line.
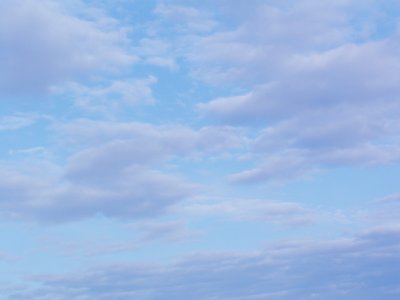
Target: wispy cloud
(359, 267)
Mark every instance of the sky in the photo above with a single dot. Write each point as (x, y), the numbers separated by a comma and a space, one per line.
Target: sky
(204, 150)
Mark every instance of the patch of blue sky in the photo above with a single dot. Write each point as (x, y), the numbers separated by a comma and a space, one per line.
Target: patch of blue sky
(376, 21)
(345, 187)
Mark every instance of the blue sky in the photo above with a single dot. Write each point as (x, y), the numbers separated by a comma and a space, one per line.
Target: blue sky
(199, 149)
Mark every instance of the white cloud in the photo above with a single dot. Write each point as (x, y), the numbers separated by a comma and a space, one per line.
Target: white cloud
(280, 167)
(301, 163)
(185, 17)
(44, 43)
(159, 140)
(166, 62)
(17, 121)
(135, 192)
(336, 107)
(344, 77)
(116, 171)
(110, 97)
(247, 55)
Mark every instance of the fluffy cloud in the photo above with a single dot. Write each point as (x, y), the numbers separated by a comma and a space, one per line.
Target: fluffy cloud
(289, 86)
(244, 55)
(115, 170)
(247, 55)
(344, 76)
(363, 267)
(44, 43)
(135, 192)
(329, 101)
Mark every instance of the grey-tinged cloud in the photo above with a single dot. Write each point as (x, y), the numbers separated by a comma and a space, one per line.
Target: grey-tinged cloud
(119, 173)
(295, 164)
(362, 267)
(134, 193)
(274, 212)
(323, 84)
(344, 76)
(329, 129)
(170, 231)
(44, 43)
(133, 148)
(110, 163)
(332, 137)
(328, 114)
(267, 35)
(280, 167)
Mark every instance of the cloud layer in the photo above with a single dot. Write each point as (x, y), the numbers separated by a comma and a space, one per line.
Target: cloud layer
(363, 267)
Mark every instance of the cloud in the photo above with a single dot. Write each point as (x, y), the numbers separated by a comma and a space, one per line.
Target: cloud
(142, 235)
(17, 121)
(168, 62)
(246, 55)
(322, 82)
(315, 82)
(243, 55)
(277, 168)
(154, 140)
(158, 51)
(115, 169)
(188, 18)
(135, 192)
(172, 231)
(164, 236)
(109, 97)
(393, 198)
(384, 211)
(362, 267)
(331, 109)
(299, 163)
(275, 212)
(45, 43)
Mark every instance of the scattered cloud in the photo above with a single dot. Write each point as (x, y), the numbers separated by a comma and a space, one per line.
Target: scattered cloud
(151, 118)
(326, 114)
(362, 267)
(110, 97)
(133, 192)
(46, 43)
(118, 173)
(189, 18)
(154, 140)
